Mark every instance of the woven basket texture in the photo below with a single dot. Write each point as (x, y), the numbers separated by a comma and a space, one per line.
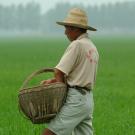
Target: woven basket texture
(41, 103)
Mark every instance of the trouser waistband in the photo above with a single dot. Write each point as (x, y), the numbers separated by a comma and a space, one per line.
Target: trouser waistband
(80, 89)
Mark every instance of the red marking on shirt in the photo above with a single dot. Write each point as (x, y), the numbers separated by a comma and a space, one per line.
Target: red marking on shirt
(90, 54)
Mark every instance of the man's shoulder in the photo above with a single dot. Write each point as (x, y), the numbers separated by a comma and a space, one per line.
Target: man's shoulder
(74, 43)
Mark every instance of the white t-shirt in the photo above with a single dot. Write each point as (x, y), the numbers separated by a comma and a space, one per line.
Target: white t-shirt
(80, 62)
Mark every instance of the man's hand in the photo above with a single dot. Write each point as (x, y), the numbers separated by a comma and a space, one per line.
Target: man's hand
(59, 77)
(48, 81)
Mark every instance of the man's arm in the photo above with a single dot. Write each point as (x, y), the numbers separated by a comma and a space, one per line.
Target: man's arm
(58, 77)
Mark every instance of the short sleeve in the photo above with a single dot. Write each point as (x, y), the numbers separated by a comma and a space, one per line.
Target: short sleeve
(69, 58)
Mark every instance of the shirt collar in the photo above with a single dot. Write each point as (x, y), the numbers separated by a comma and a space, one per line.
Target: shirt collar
(84, 35)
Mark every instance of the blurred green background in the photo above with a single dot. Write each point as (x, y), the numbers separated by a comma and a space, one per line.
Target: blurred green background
(114, 91)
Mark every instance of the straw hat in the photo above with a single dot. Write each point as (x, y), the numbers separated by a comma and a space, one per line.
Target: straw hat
(77, 18)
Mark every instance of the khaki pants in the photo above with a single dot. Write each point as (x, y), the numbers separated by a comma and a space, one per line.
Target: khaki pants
(75, 117)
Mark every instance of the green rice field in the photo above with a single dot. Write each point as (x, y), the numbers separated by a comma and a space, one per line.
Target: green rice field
(114, 92)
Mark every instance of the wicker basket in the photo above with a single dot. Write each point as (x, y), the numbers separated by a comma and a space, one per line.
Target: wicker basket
(40, 104)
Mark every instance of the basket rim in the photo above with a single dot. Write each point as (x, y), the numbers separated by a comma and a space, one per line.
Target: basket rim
(32, 89)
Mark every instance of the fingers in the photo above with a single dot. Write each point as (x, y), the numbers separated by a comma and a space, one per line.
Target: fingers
(48, 81)
(43, 82)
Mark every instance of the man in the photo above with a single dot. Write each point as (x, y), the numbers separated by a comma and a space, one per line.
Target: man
(79, 65)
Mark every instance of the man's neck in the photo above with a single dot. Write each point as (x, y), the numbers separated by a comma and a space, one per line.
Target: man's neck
(78, 35)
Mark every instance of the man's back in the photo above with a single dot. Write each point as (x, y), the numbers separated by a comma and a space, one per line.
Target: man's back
(80, 62)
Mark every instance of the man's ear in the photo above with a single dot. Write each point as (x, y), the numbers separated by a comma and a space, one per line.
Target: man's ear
(77, 29)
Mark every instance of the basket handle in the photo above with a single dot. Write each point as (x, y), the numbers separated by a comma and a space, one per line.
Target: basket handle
(25, 83)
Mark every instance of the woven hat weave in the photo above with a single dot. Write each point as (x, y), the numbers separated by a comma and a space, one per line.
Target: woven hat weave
(76, 18)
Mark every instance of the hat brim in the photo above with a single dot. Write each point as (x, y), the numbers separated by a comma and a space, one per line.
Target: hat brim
(76, 25)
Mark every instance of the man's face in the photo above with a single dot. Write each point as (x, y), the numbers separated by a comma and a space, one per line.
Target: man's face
(71, 32)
